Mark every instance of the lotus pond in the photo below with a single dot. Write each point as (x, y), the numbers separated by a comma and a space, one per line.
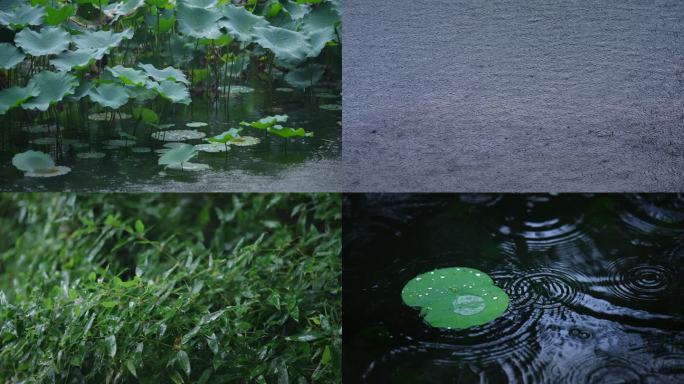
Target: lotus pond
(166, 95)
(591, 288)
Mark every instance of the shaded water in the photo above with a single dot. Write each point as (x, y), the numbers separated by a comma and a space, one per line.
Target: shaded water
(594, 283)
(311, 164)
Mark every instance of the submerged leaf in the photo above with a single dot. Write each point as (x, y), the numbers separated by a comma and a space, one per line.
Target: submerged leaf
(455, 297)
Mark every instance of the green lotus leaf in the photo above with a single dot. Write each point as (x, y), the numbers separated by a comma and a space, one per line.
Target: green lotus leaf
(322, 17)
(198, 22)
(15, 96)
(49, 41)
(226, 136)
(196, 124)
(287, 45)
(90, 155)
(178, 135)
(266, 122)
(288, 132)
(206, 4)
(21, 16)
(179, 155)
(56, 16)
(101, 40)
(245, 141)
(128, 76)
(319, 39)
(10, 56)
(455, 298)
(145, 115)
(296, 11)
(213, 147)
(78, 59)
(168, 73)
(53, 86)
(81, 91)
(31, 161)
(116, 10)
(109, 95)
(240, 22)
(306, 76)
(176, 92)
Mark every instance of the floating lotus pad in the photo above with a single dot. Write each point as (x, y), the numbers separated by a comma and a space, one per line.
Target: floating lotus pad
(38, 164)
(90, 155)
(141, 149)
(196, 124)
(285, 89)
(212, 147)
(49, 41)
(10, 56)
(188, 166)
(179, 135)
(455, 298)
(106, 116)
(245, 141)
(118, 143)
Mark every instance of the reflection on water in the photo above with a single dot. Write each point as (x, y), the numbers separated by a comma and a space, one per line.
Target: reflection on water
(595, 286)
(310, 164)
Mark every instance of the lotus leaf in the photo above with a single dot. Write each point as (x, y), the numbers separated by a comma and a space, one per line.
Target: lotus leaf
(287, 45)
(178, 135)
(188, 166)
(116, 10)
(109, 95)
(168, 73)
(319, 39)
(118, 143)
(196, 124)
(10, 56)
(43, 128)
(49, 41)
(245, 141)
(101, 40)
(240, 22)
(212, 147)
(76, 59)
(323, 17)
(306, 76)
(198, 22)
(207, 4)
(44, 141)
(296, 11)
(128, 76)
(266, 122)
(53, 86)
(145, 115)
(90, 155)
(237, 89)
(22, 16)
(30, 161)
(56, 16)
(173, 91)
(15, 96)
(226, 136)
(141, 149)
(455, 298)
(179, 155)
(57, 170)
(288, 132)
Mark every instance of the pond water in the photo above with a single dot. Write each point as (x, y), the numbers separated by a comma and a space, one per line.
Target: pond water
(594, 283)
(295, 164)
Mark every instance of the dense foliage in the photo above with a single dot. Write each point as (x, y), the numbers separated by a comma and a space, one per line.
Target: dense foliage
(170, 288)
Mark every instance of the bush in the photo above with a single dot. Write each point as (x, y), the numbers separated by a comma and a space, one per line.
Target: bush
(170, 288)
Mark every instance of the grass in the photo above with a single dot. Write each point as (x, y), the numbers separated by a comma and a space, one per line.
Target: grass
(170, 288)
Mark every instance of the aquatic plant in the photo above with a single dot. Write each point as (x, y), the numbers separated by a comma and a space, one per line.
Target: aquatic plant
(455, 298)
(38, 164)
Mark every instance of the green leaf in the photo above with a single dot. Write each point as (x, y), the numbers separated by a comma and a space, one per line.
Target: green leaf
(306, 76)
(31, 161)
(240, 22)
(110, 342)
(49, 41)
(168, 73)
(22, 16)
(183, 361)
(145, 115)
(10, 56)
(101, 40)
(131, 368)
(325, 358)
(128, 76)
(287, 132)
(176, 92)
(53, 86)
(56, 16)
(266, 122)
(109, 95)
(198, 22)
(109, 304)
(15, 96)
(78, 59)
(139, 226)
(287, 45)
(116, 10)
(179, 155)
(455, 297)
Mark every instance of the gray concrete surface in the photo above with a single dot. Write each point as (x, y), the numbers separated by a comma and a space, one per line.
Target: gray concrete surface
(508, 95)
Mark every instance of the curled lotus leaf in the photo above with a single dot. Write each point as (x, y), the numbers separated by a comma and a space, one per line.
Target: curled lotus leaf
(289, 46)
(198, 22)
(128, 76)
(288, 132)
(78, 59)
(10, 56)
(226, 136)
(206, 4)
(30, 161)
(240, 22)
(49, 41)
(109, 95)
(306, 76)
(178, 155)
(15, 96)
(53, 87)
(101, 40)
(266, 122)
(126, 8)
(295, 10)
(168, 73)
(176, 92)
(455, 298)
(22, 16)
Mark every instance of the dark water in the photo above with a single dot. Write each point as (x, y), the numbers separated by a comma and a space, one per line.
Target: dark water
(595, 286)
(275, 164)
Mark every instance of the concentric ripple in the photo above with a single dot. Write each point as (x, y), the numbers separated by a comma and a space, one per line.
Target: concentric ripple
(654, 213)
(631, 279)
(598, 368)
(545, 288)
